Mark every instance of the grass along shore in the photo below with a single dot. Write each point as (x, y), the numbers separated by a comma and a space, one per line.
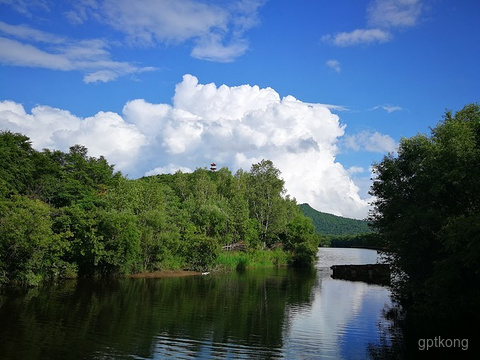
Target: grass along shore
(239, 260)
(227, 261)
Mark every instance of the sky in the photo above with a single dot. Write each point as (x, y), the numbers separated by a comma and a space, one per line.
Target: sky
(323, 88)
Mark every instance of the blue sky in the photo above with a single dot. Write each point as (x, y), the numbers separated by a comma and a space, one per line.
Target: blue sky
(323, 88)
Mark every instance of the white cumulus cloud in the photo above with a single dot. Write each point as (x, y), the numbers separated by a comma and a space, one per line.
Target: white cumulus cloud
(105, 133)
(233, 126)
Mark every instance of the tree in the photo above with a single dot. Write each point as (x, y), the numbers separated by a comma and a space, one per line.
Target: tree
(265, 190)
(153, 208)
(82, 178)
(86, 245)
(120, 235)
(427, 209)
(16, 163)
(200, 251)
(29, 250)
(300, 239)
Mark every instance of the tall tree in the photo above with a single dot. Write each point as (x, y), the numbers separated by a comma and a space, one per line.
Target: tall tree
(265, 190)
(427, 210)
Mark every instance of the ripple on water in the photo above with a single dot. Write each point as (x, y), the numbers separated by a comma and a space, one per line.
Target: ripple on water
(187, 348)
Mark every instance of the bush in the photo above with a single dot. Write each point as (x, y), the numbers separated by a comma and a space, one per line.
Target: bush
(304, 254)
(201, 252)
(29, 250)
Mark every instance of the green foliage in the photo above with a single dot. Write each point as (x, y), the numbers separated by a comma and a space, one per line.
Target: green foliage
(427, 210)
(16, 163)
(83, 179)
(238, 260)
(200, 251)
(370, 240)
(328, 224)
(87, 248)
(301, 240)
(68, 214)
(29, 250)
(120, 235)
(265, 190)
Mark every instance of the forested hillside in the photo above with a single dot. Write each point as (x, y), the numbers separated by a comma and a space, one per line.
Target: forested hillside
(328, 224)
(69, 214)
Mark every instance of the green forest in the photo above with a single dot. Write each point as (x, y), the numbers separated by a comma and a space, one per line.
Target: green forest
(338, 231)
(332, 225)
(67, 214)
(427, 212)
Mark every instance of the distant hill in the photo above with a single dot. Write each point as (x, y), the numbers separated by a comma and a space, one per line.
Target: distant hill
(328, 224)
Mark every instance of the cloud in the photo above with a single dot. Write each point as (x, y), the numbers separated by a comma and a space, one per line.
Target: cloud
(355, 170)
(15, 53)
(165, 21)
(388, 108)
(334, 64)
(25, 7)
(82, 11)
(233, 126)
(29, 47)
(105, 133)
(383, 16)
(358, 36)
(331, 107)
(394, 13)
(216, 30)
(168, 169)
(211, 48)
(27, 33)
(370, 141)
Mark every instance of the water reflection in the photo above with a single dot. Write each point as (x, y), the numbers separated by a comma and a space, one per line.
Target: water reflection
(342, 319)
(275, 313)
(335, 256)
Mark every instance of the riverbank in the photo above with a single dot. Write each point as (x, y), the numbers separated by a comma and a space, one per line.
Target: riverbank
(228, 261)
(164, 274)
(239, 260)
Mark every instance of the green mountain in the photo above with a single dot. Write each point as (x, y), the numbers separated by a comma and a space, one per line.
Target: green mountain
(328, 224)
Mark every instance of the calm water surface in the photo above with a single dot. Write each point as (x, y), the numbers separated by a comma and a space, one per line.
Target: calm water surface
(263, 314)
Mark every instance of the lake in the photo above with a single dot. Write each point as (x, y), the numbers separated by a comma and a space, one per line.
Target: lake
(263, 313)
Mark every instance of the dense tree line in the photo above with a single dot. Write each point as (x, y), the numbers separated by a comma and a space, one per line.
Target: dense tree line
(69, 214)
(427, 210)
(337, 231)
(368, 241)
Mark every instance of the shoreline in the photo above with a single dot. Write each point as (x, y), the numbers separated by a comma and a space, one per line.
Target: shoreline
(164, 274)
